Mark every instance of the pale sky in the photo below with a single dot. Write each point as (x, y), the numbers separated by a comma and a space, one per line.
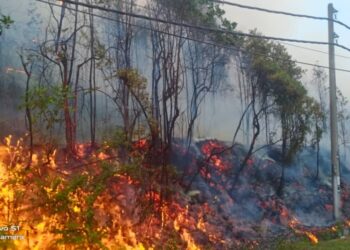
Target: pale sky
(300, 28)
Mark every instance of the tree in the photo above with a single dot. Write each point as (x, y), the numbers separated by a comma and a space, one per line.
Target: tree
(343, 119)
(28, 68)
(277, 80)
(62, 53)
(319, 79)
(318, 117)
(120, 39)
(63, 56)
(5, 22)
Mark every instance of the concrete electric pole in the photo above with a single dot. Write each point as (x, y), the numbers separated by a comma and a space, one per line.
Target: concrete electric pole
(333, 116)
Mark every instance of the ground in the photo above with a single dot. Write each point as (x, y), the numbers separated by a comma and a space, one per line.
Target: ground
(335, 244)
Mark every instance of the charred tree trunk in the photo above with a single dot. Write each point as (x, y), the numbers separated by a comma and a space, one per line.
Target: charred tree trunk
(27, 109)
(317, 153)
(92, 82)
(69, 126)
(284, 156)
(67, 66)
(256, 127)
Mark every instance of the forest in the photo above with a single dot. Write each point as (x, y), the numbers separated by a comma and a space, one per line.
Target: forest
(156, 124)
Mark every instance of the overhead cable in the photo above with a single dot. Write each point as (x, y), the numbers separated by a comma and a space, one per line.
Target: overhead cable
(281, 12)
(234, 33)
(192, 39)
(314, 50)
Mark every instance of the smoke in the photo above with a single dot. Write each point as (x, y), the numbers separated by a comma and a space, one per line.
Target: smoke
(254, 199)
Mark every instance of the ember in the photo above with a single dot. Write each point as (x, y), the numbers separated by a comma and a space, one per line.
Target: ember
(312, 237)
(141, 144)
(210, 149)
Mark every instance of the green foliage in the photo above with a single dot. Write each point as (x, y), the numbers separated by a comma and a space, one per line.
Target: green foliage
(302, 244)
(73, 201)
(329, 234)
(277, 79)
(5, 23)
(318, 117)
(46, 104)
(204, 13)
(173, 241)
(67, 203)
(343, 118)
(137, 86)
(115, 139)
(132, 169)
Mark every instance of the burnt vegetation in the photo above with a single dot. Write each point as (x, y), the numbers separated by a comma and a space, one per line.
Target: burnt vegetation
(109, 114)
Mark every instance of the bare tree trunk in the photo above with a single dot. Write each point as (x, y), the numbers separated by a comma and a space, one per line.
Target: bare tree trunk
(27, 108)
(66, 105)
(317, 156)
(92, 82)
(256, 128)
(284, 155)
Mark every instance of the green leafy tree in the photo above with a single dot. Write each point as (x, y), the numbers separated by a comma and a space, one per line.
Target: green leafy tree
(279, 88)
(318, 117)
(5, 22)
(343, 120)
(46, 104)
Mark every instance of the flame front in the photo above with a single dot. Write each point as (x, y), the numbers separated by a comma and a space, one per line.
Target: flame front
(312, 237)
(42, 228)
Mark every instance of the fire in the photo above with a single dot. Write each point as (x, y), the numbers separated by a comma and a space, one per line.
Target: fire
(82, 150)
(208, 149)
(293, 223)
(312, 237)
(191, 245)
(117, 208)
(153, 196)
(37, 228)
(201, 225)
(347, 222)
(141, 144)
(181, 224)
(112, 215)
(123, 237)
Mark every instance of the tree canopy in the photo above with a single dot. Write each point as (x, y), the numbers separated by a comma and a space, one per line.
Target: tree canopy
(5, 22)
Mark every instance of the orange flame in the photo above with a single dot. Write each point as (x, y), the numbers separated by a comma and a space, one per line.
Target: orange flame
(208, 148)
(141, 144)
(347, 222)
(312, 237)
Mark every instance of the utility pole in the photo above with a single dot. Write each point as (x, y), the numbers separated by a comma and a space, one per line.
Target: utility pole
(333, 116)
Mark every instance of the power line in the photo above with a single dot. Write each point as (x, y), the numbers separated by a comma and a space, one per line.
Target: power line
(281, 12)
(192, 39)
(234, 33)
(289, 44)
(132, 4)
(315, 50)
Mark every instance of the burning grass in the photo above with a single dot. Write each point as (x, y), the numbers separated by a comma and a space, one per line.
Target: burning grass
(98, 206)
(96, 202)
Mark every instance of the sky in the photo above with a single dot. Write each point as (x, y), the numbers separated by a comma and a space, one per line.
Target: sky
(300, 28)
